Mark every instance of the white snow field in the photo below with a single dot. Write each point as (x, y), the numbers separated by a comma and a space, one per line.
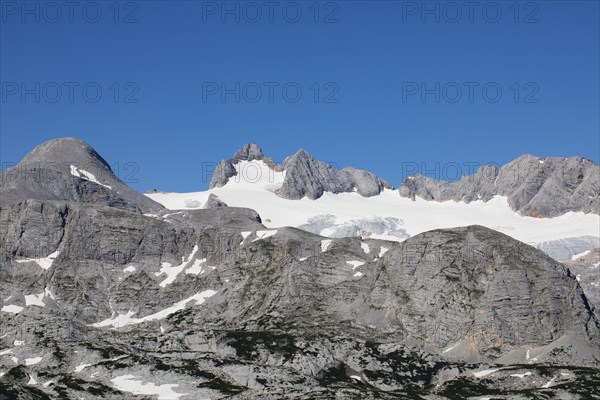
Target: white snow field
(254, 187)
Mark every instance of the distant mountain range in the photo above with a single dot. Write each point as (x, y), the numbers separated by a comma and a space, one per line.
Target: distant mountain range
(535, 186)
(540, 187)
(551, 203)
(304, 175)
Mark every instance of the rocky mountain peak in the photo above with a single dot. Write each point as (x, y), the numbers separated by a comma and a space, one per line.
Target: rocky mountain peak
(58, 152)
(69, 169)
(301, 156)
(249, 152)
(301, 153)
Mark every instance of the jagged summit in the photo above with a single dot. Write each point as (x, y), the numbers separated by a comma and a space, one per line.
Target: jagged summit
(305, 175)
(69, 169)
(300, 156)
(300, 153)
(249, 152)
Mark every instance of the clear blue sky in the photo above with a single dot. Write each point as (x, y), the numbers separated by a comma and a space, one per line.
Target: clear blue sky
(372, 61)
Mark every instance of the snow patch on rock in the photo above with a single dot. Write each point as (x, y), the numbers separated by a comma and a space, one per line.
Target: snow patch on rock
(173, 272)
(43, 262)
(85, 175)
(128, 319)
(132, 384)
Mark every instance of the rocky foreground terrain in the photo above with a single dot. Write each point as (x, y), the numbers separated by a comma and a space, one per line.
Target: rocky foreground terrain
(106, 294)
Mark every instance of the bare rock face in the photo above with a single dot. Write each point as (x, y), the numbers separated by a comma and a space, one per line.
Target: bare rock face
(68, 169)
(224, 170)
(249, 152)
(480, 291)
(306, 176)
(539, 187)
